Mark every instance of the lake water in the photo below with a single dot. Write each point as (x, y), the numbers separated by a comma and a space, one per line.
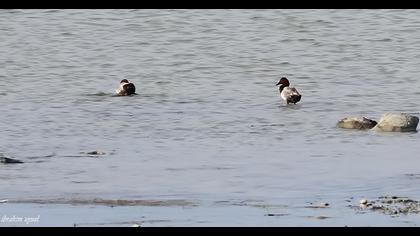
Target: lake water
(208, 138)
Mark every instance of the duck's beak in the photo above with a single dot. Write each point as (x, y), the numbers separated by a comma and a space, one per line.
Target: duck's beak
(278, 83)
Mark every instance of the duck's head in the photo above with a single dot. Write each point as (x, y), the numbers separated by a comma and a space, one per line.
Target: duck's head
(283, 81)
(124, 81)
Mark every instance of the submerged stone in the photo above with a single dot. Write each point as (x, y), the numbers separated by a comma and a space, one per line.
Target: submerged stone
(96, 152)
(356, 123)
(7, 160)
(397, 122)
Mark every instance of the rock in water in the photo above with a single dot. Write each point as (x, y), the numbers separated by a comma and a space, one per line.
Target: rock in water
(96, 153)
(397, 122)
(7, 160)
(356, 123)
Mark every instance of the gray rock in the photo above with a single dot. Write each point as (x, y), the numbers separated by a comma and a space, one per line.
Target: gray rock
(397, 122)
(356, 123)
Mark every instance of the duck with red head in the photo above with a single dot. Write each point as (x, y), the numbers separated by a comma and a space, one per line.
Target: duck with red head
(126, 88)
(288, 94)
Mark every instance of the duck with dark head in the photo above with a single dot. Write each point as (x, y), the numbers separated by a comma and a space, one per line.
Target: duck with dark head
(126, 88)
(288, 94)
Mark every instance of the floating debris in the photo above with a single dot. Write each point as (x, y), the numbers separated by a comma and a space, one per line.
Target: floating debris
(4, 201)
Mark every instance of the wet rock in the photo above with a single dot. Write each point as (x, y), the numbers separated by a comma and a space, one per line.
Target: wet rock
(319, 217)
(356, 123)
(320, 205)
(94, 153)
(7, 160)
(391, 205)
(397, 122)
(378, 207)
(364, 203)
(276, 214)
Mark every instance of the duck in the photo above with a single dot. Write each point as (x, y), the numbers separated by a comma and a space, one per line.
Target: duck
(126, 88)
(288, 94)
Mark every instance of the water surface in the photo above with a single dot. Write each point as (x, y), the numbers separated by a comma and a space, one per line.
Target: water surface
(208, 126)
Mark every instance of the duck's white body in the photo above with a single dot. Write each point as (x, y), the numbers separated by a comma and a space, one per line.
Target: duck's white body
(120, 90)
(290, 95)
(126, 88)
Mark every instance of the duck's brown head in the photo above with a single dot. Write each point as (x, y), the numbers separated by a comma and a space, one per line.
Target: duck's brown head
(284, 82)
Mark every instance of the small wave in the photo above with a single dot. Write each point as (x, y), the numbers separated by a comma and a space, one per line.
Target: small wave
(380, 40)
(85, 182)
(100, 94)
(108, 202)
(37, 157)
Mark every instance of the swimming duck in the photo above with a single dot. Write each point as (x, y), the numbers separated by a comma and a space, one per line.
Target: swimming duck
(126, 88)
(289, 94)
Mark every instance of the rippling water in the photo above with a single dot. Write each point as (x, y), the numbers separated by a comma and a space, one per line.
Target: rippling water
(208, 125)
